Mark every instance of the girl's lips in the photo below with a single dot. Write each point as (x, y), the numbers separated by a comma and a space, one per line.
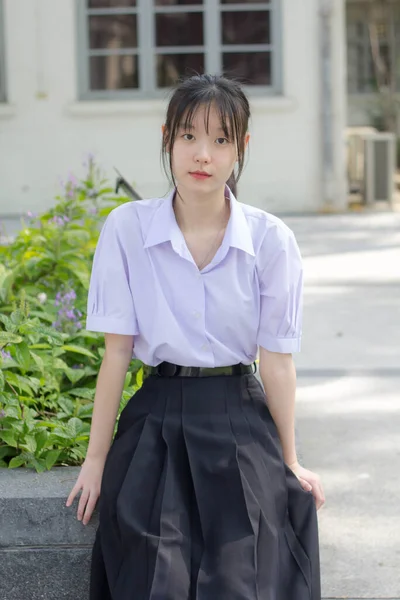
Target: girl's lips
(200, 175)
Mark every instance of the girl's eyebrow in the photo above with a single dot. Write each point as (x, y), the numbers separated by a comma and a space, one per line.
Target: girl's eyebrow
(192, 127)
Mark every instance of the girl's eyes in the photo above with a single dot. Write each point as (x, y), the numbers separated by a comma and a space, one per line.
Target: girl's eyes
(220, 141)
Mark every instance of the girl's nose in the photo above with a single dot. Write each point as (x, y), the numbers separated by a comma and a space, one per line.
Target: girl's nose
(202, 154)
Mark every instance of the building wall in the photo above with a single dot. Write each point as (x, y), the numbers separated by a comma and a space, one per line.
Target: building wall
(45, 131)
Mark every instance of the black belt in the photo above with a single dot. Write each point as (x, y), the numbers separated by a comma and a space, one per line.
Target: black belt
(167, 369)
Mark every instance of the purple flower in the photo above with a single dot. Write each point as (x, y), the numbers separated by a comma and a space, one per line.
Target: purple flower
(72, 180)
(5, 355)
(2, 414)
(67, 315)
(59, 221)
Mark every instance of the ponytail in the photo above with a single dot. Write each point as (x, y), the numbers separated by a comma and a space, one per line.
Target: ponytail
(232, 184)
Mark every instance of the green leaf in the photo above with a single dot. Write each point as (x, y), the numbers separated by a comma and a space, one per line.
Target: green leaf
(51, 458)
(23, 356)
(74, 375)
(58, 363)
(29, 444)
(85, 411)
(48, 424)
(12, 411)
(9, 438)
(38, 463)
(75, 427)
(17, 461)
(22, 383)
(139, 378)
(40, 346)
(128, 379)
(67, 405)
(38, 361)
(78, 350)
(6, 451)
(41, 439)
(86, 393)
(10, 338)
(1, 380)
(7, 322)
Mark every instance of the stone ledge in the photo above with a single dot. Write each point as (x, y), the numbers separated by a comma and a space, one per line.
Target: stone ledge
(45, 574)
(33, 511)
(44, 550)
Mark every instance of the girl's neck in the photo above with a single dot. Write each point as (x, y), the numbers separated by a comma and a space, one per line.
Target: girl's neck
(194, 212)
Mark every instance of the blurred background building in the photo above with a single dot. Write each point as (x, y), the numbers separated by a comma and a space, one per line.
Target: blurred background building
(80, 76)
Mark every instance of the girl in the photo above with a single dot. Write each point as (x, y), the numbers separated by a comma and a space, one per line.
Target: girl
(202, 496)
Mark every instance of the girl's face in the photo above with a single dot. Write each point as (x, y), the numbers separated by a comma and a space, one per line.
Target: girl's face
(203, 157)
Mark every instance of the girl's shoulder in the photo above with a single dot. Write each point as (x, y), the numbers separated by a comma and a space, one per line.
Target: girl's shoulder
(134, 212)
(263, 224)
(136, 207)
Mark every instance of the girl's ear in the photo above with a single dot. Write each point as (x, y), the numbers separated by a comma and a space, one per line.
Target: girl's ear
(246, 140)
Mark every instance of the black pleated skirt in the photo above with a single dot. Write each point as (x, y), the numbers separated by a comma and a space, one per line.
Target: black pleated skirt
(197, 503)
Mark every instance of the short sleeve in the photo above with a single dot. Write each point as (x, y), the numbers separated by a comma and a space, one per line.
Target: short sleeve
(281, 289)
(110, 304)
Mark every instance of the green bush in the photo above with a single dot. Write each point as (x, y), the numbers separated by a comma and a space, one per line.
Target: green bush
(48, 361)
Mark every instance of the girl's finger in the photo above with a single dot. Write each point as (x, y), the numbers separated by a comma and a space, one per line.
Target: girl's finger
(82, 504)
(77, 487)
(90, 506)
(305, 485)
(319, 496)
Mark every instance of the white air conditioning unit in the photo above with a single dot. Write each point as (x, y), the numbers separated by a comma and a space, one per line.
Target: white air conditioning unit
(371, 164)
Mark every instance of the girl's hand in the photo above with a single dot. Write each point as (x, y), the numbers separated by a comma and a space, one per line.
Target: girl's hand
(89, 481)
(310, 482)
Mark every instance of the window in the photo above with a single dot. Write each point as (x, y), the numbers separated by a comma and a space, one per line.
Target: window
(360, 68)
(2, 56)
(140, 47)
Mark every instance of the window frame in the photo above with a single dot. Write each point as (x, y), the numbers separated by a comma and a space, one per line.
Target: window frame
(3, 78)
(147, 50)
(359, 15)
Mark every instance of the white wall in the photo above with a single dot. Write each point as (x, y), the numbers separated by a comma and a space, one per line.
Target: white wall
(45, 132)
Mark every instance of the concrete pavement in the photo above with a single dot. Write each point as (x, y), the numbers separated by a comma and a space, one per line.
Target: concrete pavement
(348, 401)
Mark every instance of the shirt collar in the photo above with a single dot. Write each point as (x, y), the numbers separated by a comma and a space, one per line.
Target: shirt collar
(164, 228)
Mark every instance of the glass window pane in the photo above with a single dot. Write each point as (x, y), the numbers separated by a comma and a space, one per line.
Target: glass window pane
(113, 31)
(171, 67)
(176, 2)
(111, 3)
(245, 1)
(246, 27)
(179, 29)
(114, 72)
(253, 68)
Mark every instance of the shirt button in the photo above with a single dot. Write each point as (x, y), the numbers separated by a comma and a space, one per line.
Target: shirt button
(204, 347)
(196, 314)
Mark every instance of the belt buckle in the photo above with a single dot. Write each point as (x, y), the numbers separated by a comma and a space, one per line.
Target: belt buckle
(166, 369)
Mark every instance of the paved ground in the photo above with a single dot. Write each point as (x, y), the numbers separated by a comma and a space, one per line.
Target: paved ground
(348, 407)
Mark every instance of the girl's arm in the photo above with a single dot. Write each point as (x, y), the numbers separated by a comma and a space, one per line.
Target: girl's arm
(278, 375)
(109, 387)
(110, 384)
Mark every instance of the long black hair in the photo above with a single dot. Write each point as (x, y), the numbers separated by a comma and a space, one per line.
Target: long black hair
(227, 96)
